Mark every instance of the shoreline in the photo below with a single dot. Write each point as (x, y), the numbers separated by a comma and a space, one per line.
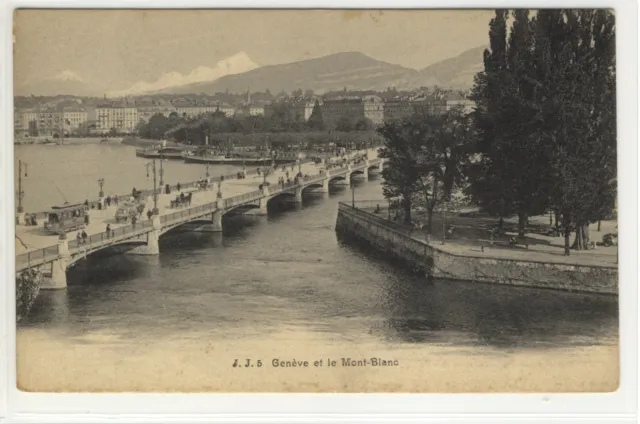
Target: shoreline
(434, 262)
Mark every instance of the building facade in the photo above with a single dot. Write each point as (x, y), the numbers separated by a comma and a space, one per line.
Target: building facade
(25, 122)
(74, 118)
(334, 110)
(394, 111)
(121, 118)
(373, 109)
(50, 122)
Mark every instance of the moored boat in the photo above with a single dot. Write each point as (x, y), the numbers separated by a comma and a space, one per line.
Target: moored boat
(161, 153)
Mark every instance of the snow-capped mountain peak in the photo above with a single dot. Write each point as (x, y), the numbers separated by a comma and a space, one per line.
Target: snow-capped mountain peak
(68, 75)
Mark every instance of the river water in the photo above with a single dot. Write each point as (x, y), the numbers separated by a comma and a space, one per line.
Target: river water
(282, 286)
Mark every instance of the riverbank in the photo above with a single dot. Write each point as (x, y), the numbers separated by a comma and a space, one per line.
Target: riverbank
(471, 262)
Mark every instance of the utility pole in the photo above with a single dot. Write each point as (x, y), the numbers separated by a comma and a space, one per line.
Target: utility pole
(101, 183)
(20, 193)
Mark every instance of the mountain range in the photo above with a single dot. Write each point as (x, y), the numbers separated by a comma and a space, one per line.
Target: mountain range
(353, 70)
(239, 73)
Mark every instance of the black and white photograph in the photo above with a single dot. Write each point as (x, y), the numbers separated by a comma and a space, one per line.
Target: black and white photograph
(316, 201)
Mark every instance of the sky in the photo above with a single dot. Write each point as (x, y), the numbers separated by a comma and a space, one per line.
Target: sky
(116, 49)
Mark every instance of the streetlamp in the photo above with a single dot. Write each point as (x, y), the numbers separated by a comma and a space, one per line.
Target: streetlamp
(353, 195)
(20, 193)
(155, 185)
(161, 170)
(444, 221)
(207, 171)
(219, 194)
(101, 183)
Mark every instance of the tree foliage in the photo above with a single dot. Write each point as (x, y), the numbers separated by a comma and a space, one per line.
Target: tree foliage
(427, 155)
(546, 118)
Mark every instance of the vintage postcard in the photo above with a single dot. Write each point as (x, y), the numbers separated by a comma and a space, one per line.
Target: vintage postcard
(416, 201)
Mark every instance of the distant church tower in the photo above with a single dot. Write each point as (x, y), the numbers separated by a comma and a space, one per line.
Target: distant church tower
(248, 96)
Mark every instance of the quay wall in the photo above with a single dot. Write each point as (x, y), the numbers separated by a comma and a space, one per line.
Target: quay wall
(394, 240)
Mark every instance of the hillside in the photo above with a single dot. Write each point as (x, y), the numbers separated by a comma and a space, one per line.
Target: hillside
(351, 69)
(456, 72)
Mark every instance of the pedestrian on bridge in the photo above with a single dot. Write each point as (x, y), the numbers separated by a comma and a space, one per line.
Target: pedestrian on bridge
(149, 215)
(84, 237)
(133, 221)
(108, 230)
(178, 186)
(78, 238)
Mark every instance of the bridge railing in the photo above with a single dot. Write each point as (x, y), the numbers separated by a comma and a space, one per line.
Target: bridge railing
(99, 239)
(188, 212)
(242, 198)
(36, 257)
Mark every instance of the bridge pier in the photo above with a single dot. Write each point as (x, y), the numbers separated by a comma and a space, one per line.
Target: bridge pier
(262, 203)
(365, 172)
(299, 195)
(325, 186)
(58, 278)
(152, 247)
(216, 221)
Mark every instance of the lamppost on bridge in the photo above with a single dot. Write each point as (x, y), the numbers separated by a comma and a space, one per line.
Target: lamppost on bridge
(206, 174)
(264, 162)
(219, 193)
(155, 185)
(101, 184)
(353, 195)
(20, 192)
(161, 170)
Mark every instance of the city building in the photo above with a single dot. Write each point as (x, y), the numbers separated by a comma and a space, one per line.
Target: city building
(74, 117)
(373, 109)
(25, 122)
(50, 122)
(147, 111)
(397, 110)
(121, 118)
(333, 110)
(431, 106)
(467, 105)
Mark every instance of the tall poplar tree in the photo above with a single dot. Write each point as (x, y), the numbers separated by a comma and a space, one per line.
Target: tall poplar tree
(511, 175)
(575, 98)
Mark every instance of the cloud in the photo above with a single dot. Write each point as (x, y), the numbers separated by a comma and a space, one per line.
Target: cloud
(235, 64)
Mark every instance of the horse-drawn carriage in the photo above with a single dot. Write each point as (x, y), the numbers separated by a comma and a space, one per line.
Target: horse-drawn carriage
(129, 209)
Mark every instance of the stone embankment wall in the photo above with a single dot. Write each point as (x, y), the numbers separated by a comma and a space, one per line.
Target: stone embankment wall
(394, 240)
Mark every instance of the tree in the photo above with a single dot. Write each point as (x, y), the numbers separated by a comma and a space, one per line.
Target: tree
(345, 124)
(400, 178)
(575, 64)
(512, 173)
(316, 121)
(363, 124)
(443, 146)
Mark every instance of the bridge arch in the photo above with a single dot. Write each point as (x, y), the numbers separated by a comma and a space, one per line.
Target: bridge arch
(81, 253)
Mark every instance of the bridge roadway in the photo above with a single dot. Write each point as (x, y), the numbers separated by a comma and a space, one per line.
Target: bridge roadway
(53, 255)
